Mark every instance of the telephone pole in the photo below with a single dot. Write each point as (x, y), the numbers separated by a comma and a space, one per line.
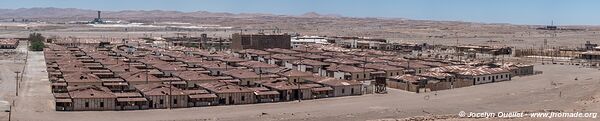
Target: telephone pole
(170, 92)
(10, 107)
(17, 83)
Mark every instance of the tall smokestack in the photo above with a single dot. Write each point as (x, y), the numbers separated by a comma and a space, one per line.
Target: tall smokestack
(98, 14)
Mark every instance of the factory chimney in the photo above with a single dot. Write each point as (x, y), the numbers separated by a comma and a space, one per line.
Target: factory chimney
(98, 14)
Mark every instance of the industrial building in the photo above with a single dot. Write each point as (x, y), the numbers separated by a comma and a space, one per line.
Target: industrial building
(590, 55)
(260, 41)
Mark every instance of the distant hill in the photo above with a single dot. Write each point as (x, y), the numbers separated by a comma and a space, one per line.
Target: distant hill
(45, 12)
(86, 13)
(317, 15)
(309, 20)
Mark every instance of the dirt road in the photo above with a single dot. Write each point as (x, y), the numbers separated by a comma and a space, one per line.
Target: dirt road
(8, 65)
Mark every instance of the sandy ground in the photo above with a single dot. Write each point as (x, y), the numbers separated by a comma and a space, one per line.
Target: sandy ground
(522, 93)
(8, 65)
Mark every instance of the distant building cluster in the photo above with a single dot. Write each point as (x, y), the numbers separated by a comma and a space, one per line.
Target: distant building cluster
(302, 40)
(411, 74)
(590, 55)
(8, 43)
(203, 42)
(119, 78)
(592, 51)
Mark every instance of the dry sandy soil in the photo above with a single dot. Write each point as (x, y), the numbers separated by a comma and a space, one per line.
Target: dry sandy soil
(8, 65)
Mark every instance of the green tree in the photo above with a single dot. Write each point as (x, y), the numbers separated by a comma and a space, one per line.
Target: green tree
(37, 42)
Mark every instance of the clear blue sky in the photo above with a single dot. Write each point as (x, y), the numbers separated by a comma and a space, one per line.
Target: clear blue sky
(563, 12)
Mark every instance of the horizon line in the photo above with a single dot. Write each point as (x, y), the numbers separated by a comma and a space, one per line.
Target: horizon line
(337, 15)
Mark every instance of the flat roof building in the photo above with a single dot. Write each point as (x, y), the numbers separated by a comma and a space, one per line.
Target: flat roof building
(260, 41)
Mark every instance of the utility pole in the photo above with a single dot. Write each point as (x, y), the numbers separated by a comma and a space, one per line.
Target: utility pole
(10, 107)
(456, 47)
(259, 73)
(365, 67)
(147, 75)
(169, 95)
(17, 83)
(299, 91)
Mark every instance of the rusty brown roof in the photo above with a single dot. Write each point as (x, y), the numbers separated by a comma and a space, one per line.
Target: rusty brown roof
(285, 85)
(91, 91)
(151, 60)
(332, 81)
(282, 57)
(256, 64)
(393, 58)
(122, 67)
(82, 78)
(241, 73)
(212, 64)
(213, 54)
(282, 51)
(128, 94)
(342, 61)
(230, 59)
(109, 61)
(253, 52)
(408, 65)
(169, 67)
(203, 96)
(382, 67)
(196, 91)
(309, 62)
(222, 87)
(348, 68)
(190, 59)
(308, 49)
(437, 75)
(319, 89)
(136, 99)
(370, 60)
(483, 71)
(312, 56)
(139, 76)
(408, 78)
(194, 76)
(266, 93)
(336, 55)
(295, 73)
(159, 89)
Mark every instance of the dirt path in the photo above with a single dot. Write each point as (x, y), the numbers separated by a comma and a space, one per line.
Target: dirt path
(8, 65)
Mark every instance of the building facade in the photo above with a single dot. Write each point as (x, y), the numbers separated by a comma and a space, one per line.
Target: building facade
(260, 41)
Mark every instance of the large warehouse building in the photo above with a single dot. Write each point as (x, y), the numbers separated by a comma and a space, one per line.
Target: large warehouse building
(260, 41)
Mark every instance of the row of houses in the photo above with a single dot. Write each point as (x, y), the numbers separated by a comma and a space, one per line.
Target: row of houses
(8, 43)
(118, 77)
(411, 74)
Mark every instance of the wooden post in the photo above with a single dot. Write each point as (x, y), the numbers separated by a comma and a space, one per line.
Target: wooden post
(17, 83)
